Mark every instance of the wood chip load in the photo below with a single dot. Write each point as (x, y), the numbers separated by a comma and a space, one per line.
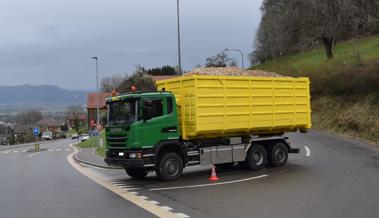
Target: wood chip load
(231, 71)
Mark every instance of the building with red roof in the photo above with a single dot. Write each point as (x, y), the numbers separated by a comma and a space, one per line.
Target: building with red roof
(92, 107)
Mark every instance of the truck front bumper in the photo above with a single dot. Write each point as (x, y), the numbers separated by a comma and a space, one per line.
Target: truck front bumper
(143, 158)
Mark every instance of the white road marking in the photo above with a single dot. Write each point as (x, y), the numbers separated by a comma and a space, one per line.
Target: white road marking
(125, 186)
(134, 193)
(182, 215)
(67, 149)
(209, 184)
(58, 149)
(154, 202)
(308, 151)
(110, 179)
(39, 152)
(118, 183)
(143, 197)
(5, 152)
(15, 151)
(50, 149)
(24, 150)
(166, 208)
(91, 166)
(152, 208)
(130, 189)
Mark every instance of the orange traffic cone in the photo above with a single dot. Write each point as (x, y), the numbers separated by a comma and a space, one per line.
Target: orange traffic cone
(213, 175)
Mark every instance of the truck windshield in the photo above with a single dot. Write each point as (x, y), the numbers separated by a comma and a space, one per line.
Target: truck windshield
(122, 113)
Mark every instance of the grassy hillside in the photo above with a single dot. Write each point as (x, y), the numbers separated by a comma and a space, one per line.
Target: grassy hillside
(346, 53)
(345, 91)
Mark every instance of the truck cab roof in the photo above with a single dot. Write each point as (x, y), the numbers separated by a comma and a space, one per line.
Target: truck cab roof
(137, 94)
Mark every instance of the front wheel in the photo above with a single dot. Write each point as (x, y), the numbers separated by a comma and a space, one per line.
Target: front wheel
(256, 157)
(170, 167)
(136, 173)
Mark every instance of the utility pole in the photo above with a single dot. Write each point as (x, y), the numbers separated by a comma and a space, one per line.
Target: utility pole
(179, 49)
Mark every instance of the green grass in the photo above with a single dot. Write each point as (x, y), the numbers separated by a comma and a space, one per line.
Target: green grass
(101, 151)
(92, 142)
(314, 61)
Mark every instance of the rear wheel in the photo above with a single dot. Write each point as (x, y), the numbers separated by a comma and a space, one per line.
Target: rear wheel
(170, 167)
(256, 157)
(136, 173)
(278, 154)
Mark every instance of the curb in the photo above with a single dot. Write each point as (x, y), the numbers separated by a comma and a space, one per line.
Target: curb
(76, 158)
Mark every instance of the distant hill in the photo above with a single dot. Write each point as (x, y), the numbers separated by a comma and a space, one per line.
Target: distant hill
(39, 96)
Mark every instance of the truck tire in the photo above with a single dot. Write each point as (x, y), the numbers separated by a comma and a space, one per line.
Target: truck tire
(256, 157)
(170, 167)
(278, 154)
(136, 173)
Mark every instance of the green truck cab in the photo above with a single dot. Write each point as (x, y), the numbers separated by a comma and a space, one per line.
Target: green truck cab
(141, 127)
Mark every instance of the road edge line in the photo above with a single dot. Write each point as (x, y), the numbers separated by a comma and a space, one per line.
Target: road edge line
(209, 184)
(151, 208)
(89, 163)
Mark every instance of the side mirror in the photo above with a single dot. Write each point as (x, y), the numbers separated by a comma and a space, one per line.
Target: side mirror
(147, 110)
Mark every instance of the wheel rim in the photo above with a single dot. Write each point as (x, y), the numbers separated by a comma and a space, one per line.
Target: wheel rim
(257, 158)
(171, 167)
(280, 155)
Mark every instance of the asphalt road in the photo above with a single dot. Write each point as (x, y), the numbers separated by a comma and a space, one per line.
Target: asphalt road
(336, 177)
(45, 185)
(339, 178)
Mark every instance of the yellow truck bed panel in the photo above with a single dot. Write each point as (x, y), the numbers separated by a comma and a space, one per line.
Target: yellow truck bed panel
(218, 106)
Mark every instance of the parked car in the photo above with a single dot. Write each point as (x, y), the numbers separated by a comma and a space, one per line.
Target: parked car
(84, 137)
(47, 135)
(75, 136)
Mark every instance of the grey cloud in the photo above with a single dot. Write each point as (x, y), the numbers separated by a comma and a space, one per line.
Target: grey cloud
(50, 42)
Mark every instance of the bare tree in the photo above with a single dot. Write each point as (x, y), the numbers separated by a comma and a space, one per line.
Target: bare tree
(73, 113)
(28, 117)
(220, 60)
(110, 83)
(294, 25)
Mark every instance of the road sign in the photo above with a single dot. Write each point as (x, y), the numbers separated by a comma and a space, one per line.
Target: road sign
(35, 131)
(98, 126)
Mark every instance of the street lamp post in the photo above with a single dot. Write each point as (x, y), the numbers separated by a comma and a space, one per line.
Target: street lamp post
(97, 91)
(179, 50)
(237, 50)
(97, 99)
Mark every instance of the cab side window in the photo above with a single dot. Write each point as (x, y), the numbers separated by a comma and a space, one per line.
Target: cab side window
(169, 105)
(157, 107)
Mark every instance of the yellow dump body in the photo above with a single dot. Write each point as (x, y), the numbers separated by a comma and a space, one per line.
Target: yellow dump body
(218, 106)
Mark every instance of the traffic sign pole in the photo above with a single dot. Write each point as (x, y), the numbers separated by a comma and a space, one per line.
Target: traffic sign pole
(36, 133)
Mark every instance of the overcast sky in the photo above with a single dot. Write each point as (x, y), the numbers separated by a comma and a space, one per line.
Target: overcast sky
(51, 41)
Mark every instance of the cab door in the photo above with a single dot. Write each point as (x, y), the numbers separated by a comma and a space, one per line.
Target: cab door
(161, 126)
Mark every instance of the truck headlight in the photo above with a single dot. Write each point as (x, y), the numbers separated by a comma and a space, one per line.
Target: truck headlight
(132, 155)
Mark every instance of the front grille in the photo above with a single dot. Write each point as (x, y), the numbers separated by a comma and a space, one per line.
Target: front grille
(117, 140)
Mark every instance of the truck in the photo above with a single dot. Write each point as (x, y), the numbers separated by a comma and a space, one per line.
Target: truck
(47, 135)
(206, 120)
